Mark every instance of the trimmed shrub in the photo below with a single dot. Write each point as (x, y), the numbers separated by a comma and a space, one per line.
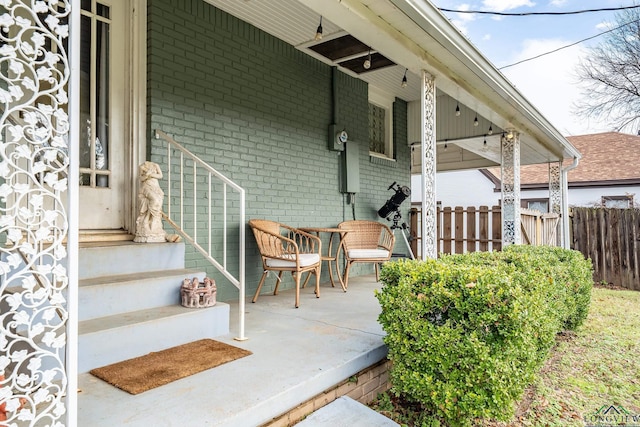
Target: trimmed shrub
(467, 333)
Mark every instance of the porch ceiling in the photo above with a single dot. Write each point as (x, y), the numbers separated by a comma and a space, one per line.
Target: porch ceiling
(411, 35)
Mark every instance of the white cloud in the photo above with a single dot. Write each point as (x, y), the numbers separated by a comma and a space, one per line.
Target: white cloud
(462, 19)
(604, 26)
(503, 5)
(557, 3)
(550, 84)
(466, 16)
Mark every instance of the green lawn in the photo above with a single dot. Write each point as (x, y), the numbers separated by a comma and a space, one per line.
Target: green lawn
(597, 366)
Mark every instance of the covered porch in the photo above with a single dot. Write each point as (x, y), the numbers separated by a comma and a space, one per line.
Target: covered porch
(302, 359)
(247, 106)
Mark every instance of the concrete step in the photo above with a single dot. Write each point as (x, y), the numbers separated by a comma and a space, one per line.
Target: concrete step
(106, 340)
(115, 294)
(344, 411)
(125, 257)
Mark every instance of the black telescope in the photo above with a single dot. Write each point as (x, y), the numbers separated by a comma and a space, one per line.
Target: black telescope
(393, 204)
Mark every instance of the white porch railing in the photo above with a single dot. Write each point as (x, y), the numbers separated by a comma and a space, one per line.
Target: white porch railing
(197, 208)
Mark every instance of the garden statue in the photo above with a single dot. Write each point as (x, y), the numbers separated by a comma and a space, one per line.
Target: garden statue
(195, 294)
(150, 198)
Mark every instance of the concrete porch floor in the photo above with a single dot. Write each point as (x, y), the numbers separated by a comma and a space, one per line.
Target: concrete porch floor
(297, 354)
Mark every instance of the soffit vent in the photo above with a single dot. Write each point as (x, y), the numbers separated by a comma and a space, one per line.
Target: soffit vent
(350, 53)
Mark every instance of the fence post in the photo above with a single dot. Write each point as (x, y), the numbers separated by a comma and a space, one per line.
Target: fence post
(446, 230)
(496, 228)
(539, 229)
(483, 223)
(459, 224)
(413, 228)
(471, 229)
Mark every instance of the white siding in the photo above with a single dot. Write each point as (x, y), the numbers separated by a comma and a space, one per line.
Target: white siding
(472, 188)
(588, 196)
(459, 188)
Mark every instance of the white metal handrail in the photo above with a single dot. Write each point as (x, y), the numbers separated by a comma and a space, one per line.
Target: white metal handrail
(200, 213)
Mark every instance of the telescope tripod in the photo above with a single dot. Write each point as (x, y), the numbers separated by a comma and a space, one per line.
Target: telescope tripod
(397, 217)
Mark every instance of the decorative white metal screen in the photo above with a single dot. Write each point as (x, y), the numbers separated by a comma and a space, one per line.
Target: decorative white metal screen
(34, 166)
(511, 233)
(555, 191)
(429, 219)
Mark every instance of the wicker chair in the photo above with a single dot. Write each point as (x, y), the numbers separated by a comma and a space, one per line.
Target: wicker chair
(366, 241)
(284, 248)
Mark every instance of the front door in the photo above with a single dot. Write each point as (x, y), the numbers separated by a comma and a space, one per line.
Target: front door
(103, 108)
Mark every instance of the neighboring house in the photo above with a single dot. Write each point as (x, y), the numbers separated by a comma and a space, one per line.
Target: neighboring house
(458, 188)
(607, 175)
(246, 88)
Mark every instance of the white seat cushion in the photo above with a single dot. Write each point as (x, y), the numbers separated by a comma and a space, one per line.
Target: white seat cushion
(368, 253)
(305, 261)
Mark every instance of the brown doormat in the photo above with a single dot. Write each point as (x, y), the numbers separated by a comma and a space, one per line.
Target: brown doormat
(159, 368)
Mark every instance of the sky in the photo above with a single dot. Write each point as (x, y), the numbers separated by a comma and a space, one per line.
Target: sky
(550, 82)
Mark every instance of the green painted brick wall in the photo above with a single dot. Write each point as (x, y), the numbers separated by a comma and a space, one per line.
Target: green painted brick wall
(258, 110)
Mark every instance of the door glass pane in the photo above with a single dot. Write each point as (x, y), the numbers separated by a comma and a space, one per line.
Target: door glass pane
(103, 10)
(94, 95)
(85, 94)
(102, 102)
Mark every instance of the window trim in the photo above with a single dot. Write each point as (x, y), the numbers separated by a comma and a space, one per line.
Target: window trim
(627, 197)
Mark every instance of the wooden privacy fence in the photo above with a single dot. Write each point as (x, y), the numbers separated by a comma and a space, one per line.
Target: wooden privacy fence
(539, 228)
(472, 229)
(611, 238)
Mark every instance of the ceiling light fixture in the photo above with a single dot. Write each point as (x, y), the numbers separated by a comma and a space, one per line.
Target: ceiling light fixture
(475, 121)
(367, 62)
(457, 110)
(510, 135)
(404, 78)
(319, 31)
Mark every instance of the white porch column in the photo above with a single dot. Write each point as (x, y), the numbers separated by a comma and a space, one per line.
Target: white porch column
(510, 164)
(564, 180)
(555, 193)
(428, 152)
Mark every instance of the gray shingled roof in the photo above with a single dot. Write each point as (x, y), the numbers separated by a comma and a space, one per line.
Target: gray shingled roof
(609, 156)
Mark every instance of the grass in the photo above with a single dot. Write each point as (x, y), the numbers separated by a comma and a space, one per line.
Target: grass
(596, 366)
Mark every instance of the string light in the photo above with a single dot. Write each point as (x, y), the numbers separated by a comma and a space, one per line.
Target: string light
(367, 62)
(490, 131)
(319, 31)
(404, 78)
(457, 110)
(475, 121)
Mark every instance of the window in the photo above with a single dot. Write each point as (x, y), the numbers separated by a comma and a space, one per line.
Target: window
(380, 124)
(541, 205)
(377, 140)
(620, 202)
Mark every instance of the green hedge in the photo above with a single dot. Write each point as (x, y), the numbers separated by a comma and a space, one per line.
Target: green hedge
(467, 333)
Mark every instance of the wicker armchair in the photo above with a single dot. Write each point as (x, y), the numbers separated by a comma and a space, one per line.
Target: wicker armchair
(366, 241)
(284, 248)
